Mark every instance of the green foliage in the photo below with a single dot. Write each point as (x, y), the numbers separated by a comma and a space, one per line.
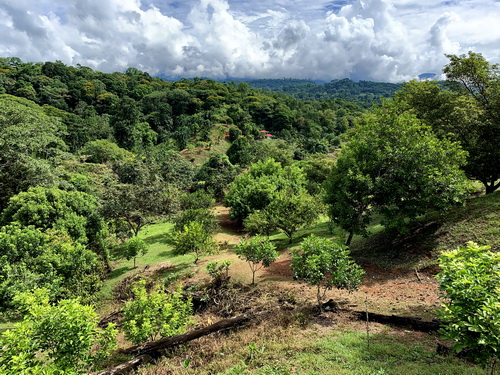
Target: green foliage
(150, 316)
(196, 200)
(476, 78)
(138, 204)
(31, 258)
(54, 339)
(29, 140)
(258, 252)
(218, 270)
(317, 169)
(469, 279)
(192, 238)
(104, 151)
(325, 264)
(395, 165)
(71, 212)
(234, 134)
(465, 109)
(257, 223)
(203, 216)
(289, 212)
(216, 174)
(363, 92)
(255, 189)
(134, 247)
(240, 152)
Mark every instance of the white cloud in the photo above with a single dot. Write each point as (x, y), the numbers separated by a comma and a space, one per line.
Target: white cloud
(362, 39)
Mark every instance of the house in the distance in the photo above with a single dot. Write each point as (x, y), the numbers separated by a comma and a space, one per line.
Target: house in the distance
(266, 134)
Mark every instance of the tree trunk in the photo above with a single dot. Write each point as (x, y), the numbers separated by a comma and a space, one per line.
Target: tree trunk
(349, 239)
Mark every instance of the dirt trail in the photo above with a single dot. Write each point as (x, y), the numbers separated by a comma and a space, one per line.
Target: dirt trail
(394, 290)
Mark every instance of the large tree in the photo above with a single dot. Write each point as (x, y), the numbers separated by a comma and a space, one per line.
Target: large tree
(255, 189)
(480, 80)
(466, 109)
(395, 165)
(29, 140)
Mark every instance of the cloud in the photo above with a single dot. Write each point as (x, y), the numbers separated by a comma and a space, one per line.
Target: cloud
(362, 39)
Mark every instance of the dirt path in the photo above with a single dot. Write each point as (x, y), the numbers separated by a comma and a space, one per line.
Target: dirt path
(395, 290)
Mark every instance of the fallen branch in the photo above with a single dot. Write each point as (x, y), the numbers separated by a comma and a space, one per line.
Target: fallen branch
(149, 351)
(415, 324)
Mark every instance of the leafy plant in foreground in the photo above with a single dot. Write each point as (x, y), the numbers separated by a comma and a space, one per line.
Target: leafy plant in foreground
(157, 314)
(470, 280)
(54, 339)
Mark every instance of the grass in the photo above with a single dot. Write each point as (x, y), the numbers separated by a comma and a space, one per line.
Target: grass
(316, 351)
(160, 250)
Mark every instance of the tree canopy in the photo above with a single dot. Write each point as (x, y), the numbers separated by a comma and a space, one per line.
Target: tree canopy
(395, 165)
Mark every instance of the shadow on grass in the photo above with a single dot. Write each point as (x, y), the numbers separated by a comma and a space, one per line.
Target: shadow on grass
(116, 273)
(172, 273)
(163, 238)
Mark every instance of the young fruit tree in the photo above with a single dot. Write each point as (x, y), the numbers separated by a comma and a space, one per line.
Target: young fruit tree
(258, 252)
(326, 265)
(62, 338)
(193, 239)
(134, 247)
(156, 314)
(469, 279)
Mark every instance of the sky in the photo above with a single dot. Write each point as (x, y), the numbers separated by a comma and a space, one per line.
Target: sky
(378, 40)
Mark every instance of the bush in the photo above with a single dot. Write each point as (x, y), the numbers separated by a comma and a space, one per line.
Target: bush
(193, 239)
(54, 339)
(157, 314)
(470, 278)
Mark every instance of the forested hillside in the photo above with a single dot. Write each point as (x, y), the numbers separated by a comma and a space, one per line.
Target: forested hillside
(134, 210)
(366, 93)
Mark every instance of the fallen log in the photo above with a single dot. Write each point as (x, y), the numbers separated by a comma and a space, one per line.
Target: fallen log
(415, 324)
(129, 366)
(149, 351)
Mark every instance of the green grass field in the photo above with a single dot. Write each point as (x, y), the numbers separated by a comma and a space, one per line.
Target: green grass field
(160, 251)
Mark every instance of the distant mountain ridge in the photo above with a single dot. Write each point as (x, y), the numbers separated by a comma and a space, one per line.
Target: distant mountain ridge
(366, 93)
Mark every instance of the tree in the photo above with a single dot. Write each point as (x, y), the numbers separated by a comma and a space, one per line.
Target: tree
(54, 339)
(193, 239)
(31, 258)
(71, 212)
(134, 247)
(201, 215)
(289, 212)
(395, 165)
(258, 252)
(326, 265)
(138, 205)
(29, 140)
(104, 151)
(469, 279)
(480, 80)
(156, 314)
(216, 174)
(255, 189)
